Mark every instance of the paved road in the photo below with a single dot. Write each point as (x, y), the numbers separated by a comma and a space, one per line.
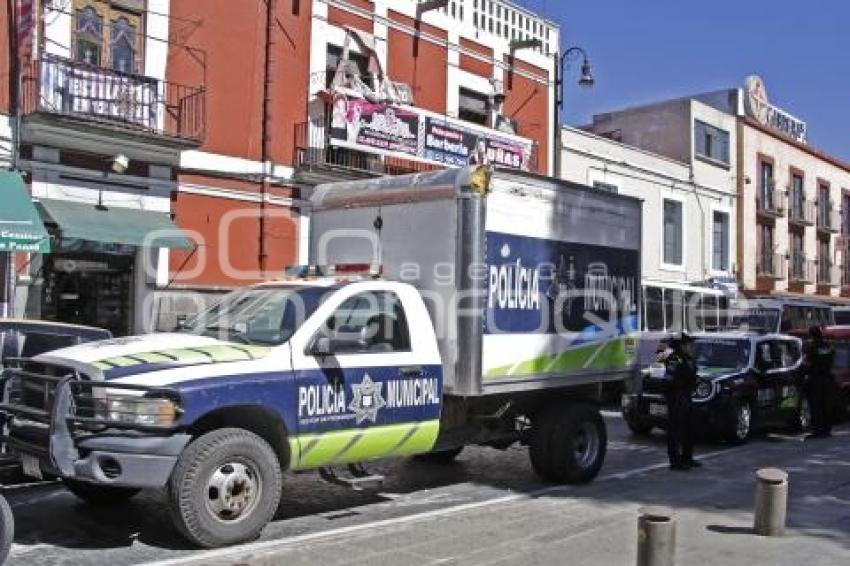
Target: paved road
(54, 528)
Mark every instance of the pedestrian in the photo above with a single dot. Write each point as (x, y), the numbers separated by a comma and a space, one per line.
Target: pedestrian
(818, 356)
(681, 374)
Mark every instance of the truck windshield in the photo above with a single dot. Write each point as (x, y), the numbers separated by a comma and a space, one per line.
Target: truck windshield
(757, 319)
(728, 354)
(264, 316)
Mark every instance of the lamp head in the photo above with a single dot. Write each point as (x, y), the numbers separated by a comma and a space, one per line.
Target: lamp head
(586, 80)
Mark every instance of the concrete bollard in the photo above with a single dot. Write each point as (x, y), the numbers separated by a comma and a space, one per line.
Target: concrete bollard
(656, 537)
(771, 502)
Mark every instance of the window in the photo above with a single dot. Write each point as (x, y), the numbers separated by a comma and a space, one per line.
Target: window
(845, 208)
(474, 107)
(106, 34)
(824, 264)
(765, 247)
(672, 232)
(607, 187)
(766, 183)
(711, 142)
(823, 204)
(797, 196)
(368, 323)
(720, 241)
(673, 310)
(654, 305)
(797, 259)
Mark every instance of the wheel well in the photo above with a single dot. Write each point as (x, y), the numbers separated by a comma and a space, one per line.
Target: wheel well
(259, 420)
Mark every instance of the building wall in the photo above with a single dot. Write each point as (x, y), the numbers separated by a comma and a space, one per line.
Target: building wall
(421, 64)
(590, 159)
(7, 36)
(755, 142)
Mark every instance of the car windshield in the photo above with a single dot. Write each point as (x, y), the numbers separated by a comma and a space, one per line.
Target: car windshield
(263, 316)
(716, 353)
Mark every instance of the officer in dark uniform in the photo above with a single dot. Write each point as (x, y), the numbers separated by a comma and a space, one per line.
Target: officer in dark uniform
(681, 380)
(819, 384)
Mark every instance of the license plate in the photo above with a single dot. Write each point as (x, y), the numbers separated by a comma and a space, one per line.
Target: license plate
(32, 466)
(658, 410)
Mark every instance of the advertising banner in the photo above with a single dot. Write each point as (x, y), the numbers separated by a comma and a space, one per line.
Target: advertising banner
(383, 127)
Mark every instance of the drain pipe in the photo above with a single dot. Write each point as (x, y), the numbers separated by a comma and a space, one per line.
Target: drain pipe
(266, 133)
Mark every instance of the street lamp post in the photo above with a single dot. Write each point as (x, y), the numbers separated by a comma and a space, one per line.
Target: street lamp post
(586, 80)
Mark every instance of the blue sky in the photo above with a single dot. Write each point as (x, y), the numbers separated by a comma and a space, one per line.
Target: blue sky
(646, 50)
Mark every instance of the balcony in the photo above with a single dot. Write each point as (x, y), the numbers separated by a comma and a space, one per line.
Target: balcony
(829, 219)
(829, 274)
(60, 92)
(771, 266)
(357, 130)
(771, 203)
(802, 212)
(801, 270)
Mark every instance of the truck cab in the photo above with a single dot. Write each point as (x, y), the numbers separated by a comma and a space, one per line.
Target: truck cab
(323, 372)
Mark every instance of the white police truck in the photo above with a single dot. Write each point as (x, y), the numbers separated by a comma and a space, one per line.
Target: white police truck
(489, 308)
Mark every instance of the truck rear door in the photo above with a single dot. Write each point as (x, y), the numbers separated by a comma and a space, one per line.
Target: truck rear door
(367, 385)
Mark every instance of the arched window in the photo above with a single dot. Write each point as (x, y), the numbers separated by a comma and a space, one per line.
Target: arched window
(89, 36)
(123, 45)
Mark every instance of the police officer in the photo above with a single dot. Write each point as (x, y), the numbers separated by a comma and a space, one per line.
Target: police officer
(681, 380)
(818, 387)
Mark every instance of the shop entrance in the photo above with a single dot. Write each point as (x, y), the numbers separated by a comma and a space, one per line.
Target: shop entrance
(89, 289)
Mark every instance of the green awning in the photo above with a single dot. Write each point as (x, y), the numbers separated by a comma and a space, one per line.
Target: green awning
(21, 228)
(115, 224)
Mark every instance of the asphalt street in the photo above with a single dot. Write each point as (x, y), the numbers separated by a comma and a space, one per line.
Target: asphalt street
(52, 527)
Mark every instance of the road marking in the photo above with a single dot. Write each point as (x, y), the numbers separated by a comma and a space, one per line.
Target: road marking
(416, 517)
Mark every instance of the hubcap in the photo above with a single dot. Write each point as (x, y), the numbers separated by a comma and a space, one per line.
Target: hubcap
(743, 421)
(586, 446)
(233, 491)
(805, 414)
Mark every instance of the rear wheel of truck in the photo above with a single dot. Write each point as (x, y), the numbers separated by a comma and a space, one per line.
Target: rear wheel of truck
(441, 456)
(568, 443)
(7, 528)
(100, 495)
(225, 488)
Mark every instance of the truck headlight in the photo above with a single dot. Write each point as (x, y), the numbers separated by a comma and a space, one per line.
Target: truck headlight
(704, 389)
(137, 410)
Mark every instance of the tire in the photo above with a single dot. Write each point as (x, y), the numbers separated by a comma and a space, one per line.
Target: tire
(7, 529)
(440, 457)
(739, 422)
(802, 420)
(225, 488)
(100, 495)
(568, 443)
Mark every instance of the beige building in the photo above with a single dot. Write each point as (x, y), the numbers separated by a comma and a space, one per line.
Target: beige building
(791, 237)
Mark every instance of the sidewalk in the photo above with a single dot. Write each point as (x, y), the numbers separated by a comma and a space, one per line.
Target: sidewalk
(596, 524)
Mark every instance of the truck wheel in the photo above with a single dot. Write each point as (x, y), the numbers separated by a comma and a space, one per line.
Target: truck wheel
(100, 495)
(739, 422)
(7, 528)
(225, 488)
(802, 419)
(441, 456)
(568, 443)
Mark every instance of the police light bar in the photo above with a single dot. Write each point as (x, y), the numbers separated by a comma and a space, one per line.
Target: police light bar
(370, 269)
(304, 271)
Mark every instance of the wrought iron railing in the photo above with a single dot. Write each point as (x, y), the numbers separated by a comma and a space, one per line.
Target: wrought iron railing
(771, 202)
(771, 265)
(801, 270)
(802, 212)
(70, 89)
(829, 274)
(829, 217)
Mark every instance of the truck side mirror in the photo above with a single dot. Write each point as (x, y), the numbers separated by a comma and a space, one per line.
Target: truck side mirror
(321, 347)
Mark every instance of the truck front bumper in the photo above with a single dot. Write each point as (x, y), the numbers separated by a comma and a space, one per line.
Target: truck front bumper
(56, 444)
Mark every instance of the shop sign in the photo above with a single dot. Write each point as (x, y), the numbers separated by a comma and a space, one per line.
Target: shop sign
(757, 106)
(392, 129)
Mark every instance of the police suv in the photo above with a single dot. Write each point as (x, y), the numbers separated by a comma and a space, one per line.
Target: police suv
(501, 305)
(745, 381)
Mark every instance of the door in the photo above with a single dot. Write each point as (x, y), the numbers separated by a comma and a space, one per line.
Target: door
(771, 377)
(790, 357)
(364, 390)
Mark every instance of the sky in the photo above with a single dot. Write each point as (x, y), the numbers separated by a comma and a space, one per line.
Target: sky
(649, 50)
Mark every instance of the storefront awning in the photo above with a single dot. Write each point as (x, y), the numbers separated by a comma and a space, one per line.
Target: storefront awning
(21, 228)
(115, 225)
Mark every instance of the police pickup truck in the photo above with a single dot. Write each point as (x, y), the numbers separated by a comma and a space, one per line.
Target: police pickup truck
(745, 381)
(506, 302)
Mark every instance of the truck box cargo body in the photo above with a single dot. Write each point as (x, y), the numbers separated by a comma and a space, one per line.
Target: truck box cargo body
(493, 267)
(506, 302)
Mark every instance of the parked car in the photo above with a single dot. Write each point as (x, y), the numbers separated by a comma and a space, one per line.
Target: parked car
(28, 338)
(746, 381)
